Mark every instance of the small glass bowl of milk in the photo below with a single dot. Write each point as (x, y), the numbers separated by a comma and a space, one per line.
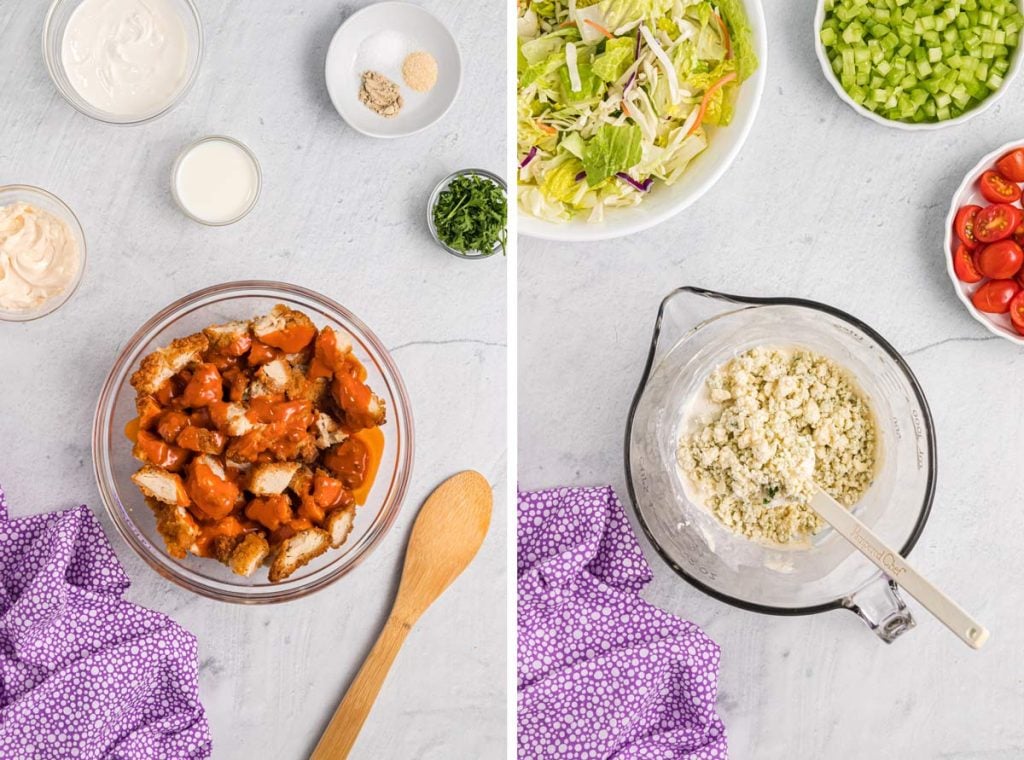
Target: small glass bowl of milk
(216, 180)
(123, 61)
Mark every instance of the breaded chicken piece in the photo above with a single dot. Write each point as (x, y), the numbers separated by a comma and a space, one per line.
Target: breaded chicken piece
(237, 422)
(272, 378)
(308, 451)
(339, 522)
(328, 432)
(271, 478)
(330, 351)
(202, 440)
(229, 339)
(302, 482)
(249, 554)
(376, 410)
(297, 551)
(362, 407)
(164, 363)
(275, 375)
(177, 526)
(237, 470)
(148, 410)
(301, 388)
(159, 484)
(223, 546)
(268, 327)
(215, 465)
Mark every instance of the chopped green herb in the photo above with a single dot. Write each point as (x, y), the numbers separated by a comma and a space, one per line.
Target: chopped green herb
(471, 215)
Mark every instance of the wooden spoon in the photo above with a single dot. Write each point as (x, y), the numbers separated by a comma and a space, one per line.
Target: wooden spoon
(446, 536)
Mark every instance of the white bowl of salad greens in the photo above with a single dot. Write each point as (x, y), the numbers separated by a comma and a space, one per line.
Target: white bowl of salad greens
(919, 64)
(629, 110)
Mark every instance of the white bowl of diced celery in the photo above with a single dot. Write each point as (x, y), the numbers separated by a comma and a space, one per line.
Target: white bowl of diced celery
(919, 64)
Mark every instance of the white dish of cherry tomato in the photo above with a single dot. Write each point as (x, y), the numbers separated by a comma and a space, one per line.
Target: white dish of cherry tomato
(985, 242)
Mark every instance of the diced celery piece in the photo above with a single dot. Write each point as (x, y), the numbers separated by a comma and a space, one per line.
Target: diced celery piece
(921, 60)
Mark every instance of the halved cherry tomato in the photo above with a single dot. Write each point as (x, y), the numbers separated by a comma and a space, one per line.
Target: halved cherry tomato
(997, 189)
(995, 295)
(964, 226)
(996, 222)
(963, 265)
(1011, 165)
(1017, 312)
(1000, 261)
(1018, 235)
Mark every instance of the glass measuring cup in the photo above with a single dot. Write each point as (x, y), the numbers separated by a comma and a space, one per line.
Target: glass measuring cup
(695, 332)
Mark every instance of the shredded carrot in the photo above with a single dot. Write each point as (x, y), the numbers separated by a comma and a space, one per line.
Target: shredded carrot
(567, 22)
(706, 100)
(599, 28)
(625, 109)
(546, 128)
(725, 36)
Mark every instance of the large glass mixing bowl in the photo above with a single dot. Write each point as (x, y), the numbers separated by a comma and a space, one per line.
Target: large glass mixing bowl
(699, 330)
(114, 463)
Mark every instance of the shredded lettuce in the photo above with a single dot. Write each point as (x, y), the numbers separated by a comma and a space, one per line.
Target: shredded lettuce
(742, 36)
(623, 12)
(643, 102)
(615, 60)
(613, 149)
(591, 85)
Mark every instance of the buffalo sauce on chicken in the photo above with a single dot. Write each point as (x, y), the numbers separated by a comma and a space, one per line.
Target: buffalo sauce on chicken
(348, 461)
(373, 438)
(290, 339)
(215, 424)
(154, 450)
(229, 527)
(204, 387)
(214, 496)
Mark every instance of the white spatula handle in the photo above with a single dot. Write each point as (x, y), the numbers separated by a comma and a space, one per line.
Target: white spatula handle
(949, 613)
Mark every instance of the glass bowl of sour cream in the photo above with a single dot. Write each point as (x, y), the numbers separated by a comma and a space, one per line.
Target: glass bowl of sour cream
(123, 61)
(42, 253)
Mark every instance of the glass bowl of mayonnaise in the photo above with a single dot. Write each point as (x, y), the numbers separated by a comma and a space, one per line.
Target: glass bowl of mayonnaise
(42, 253)
(123, 61)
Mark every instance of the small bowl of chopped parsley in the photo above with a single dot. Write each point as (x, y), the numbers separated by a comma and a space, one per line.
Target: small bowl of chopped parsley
(468, 214)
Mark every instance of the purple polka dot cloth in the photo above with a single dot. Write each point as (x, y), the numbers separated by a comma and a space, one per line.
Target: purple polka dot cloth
(603, 675)
(83, 673)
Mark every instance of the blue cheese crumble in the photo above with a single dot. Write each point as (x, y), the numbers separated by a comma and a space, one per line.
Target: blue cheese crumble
(779, 422)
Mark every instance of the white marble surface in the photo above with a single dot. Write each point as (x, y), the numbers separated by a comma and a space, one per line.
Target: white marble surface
(340, 213)
(825, 205)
